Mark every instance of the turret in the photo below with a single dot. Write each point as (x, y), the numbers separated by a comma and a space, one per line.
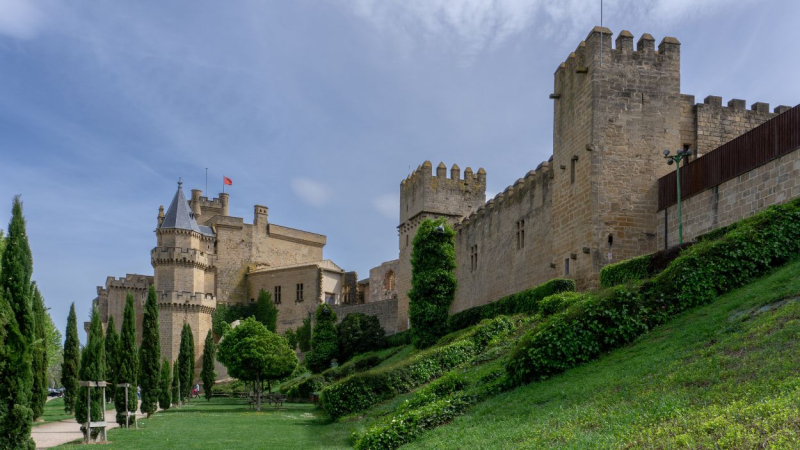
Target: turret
(223, 198)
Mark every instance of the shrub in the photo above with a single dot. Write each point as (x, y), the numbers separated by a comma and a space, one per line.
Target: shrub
(303, 334)
(633, 269)
(398, 339)
(359, 333)
(303, 388)
(433, 281)
(363, 390)
(526, 301)
(558, 302)
(324, 341)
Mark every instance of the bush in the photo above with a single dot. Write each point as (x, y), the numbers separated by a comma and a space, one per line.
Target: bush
(526, 301)
(633, 269)
(398, 339)
(359, 333)
(303, 388)
(557, 303)
(324, 341)
(363, 390)
(699, 275)
(303, 335)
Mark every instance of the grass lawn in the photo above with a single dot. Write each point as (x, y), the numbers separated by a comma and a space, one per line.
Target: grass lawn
(54, 411)
(226, 423)
(726, 375)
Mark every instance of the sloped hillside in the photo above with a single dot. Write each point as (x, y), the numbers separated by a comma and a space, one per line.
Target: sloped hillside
(726, 375)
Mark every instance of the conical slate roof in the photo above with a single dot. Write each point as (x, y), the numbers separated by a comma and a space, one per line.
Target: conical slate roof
(180, 215)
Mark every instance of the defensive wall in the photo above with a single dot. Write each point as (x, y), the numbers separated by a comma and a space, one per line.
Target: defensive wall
(384, 310)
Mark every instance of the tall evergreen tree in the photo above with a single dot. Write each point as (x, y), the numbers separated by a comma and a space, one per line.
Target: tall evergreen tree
(176, 380)
(165, 396)
(112, 348)
(433, 281)
(72, 362)
(266, 312)
(208, 374)
(150, 355)
(186, 361)
(93, 368)
(39, 367)
(16, 376)
(324, 341)
(127, 363)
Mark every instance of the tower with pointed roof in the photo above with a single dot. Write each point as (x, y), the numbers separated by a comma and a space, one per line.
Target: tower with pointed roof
(183, 260)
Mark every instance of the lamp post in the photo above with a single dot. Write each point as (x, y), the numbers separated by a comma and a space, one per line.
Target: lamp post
(676, 159)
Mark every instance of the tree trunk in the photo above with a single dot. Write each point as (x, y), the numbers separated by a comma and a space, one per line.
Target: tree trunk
(258, 393)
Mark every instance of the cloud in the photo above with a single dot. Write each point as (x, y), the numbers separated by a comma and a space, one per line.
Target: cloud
(310, 191)
(387, 205)
(20, 19)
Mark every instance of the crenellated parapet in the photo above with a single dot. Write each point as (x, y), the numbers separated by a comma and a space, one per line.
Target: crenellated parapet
(441, 193)
(185, 299)
(186, 257)
(717, 123)
(128, 282)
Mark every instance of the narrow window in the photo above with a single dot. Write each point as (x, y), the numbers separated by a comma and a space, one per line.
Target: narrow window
(277, 296)
(520, 234)
(572, 170)
(474, 257)
(299, 292)
(406, 240)
(688, 158)
(566, 266)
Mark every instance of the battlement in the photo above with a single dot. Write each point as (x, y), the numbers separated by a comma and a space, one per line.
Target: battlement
(427, 192)
(130, 281)
(180, 256)
(713, 101)
(205, 208)
(511, 195)
(184, 297)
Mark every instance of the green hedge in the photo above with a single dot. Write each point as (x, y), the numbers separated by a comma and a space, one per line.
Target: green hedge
(557, 303)
(699, 275)
(633, 269)
(526, 301)
(365, 389)
(398, 339)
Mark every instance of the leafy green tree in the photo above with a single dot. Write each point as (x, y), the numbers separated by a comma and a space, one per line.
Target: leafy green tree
(433, 281)
(93, 368)
(186, 361)
(176, 380)
(303, 334)
(72, 362)
(254, 354)
(265, 311)
(359, 333)
(127, 364)
(150, 355)
(208, 374)
(324, 341)
(2, 243)
(55, 352)
(16, 375)
(165, 396)
(291, 338)
(39, 368)
(112, 349)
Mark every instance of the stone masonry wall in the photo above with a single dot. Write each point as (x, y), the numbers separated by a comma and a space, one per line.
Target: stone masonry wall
(290, 311)
(385, 310)
(377, 281)
(774, 182)
(717, 124)
(513, 237)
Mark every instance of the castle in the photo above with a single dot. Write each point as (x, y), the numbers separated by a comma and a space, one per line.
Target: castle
(596, 201)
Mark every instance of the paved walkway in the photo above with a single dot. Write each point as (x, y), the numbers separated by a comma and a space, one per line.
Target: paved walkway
(57, 433)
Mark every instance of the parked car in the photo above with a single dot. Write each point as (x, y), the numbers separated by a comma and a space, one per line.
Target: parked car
(55, 392)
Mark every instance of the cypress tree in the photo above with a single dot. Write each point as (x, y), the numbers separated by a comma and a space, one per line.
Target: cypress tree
(186, 360)
(165, 396)
(127, 363)
(112, 348)
(39, 392)
(93, 368)
(72, 362)
(150, 355)
(176, 395)
(266, 312)
(16, 376)
(208, 374)
(433, 281)
(324, 340)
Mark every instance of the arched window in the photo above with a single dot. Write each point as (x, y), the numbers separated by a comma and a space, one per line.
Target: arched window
(388, 281)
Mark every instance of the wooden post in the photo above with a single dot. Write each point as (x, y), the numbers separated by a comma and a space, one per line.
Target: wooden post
(105, 436)
(88, 414)
(127, 412)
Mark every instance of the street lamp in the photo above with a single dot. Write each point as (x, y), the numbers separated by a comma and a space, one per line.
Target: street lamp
(676, 159)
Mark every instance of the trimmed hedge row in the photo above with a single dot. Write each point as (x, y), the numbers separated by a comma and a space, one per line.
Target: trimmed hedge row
(365, 389)
(526, 301)
(398, 339)
(633, 269)
(614, 317)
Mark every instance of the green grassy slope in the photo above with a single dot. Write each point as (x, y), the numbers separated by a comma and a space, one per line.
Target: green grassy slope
(726, 375)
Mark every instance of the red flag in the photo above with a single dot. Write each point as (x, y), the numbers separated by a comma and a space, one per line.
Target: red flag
(226, 180)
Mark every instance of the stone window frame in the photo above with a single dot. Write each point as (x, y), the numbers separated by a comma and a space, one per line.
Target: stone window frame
(520, 234)
(566, 267)
(473, 258)
(299, 292)
(277, 295)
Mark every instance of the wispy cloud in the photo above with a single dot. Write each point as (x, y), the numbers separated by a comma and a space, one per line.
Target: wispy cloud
(387, 205)
(311, 192)
(20, 19)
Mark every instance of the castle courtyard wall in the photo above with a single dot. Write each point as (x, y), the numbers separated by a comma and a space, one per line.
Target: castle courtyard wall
(384, 310)
(291, 311)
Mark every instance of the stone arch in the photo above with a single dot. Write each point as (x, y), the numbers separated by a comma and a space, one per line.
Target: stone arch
(389, 281)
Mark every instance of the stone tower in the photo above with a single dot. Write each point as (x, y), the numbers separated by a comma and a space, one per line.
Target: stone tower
(183, 261)
(616, 110)
(425, 196)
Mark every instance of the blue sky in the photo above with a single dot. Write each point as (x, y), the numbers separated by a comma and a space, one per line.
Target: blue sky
(316, 109)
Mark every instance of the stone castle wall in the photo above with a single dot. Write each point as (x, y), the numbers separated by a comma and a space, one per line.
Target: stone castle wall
(291, 312)
(385, 310)
(772, 183)
(378, 280)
